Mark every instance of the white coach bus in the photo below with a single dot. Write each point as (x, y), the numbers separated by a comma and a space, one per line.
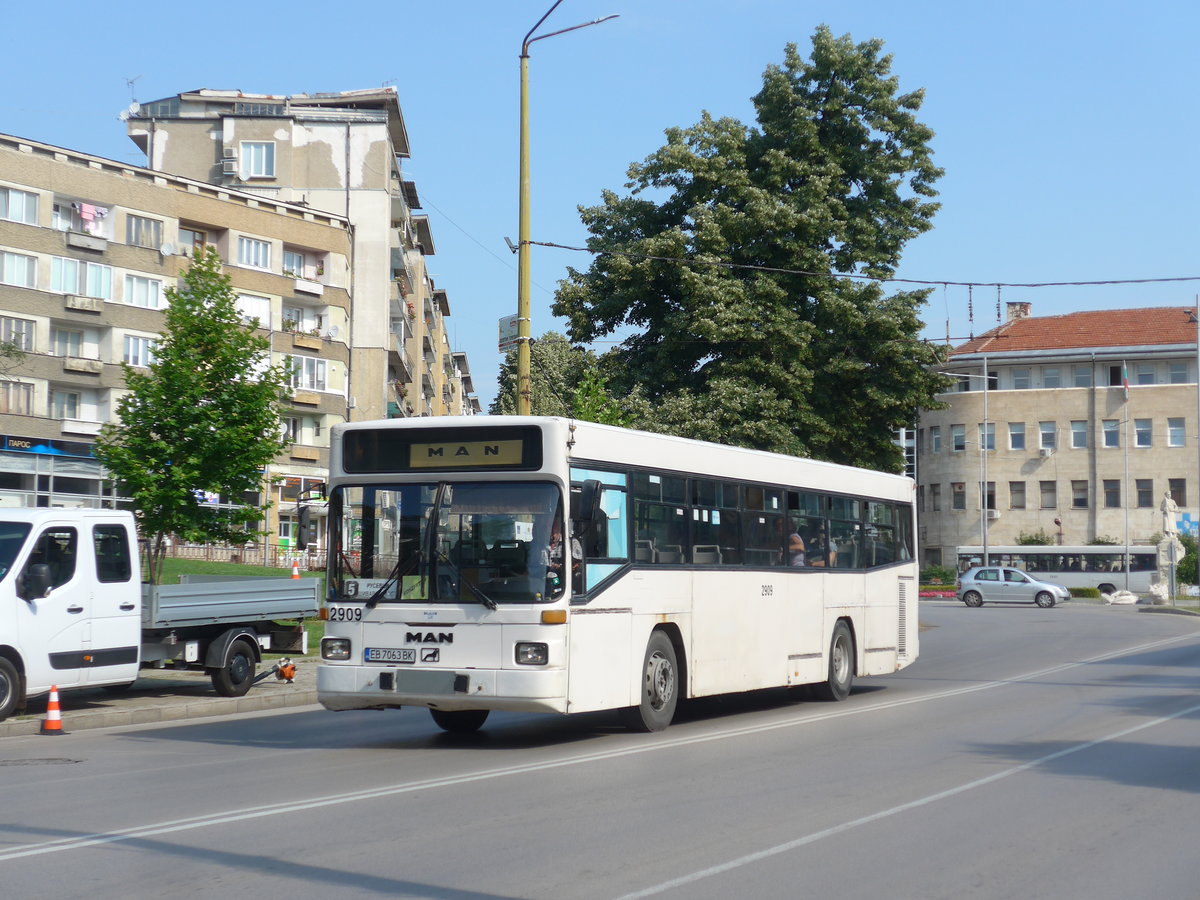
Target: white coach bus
(687, 569)
(1107, 568)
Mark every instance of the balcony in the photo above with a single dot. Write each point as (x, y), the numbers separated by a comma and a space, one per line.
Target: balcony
(308, 454)
(84, 366)
(81, 426)
(83, 304)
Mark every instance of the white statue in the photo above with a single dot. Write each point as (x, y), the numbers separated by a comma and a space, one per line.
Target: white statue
(1169, 507)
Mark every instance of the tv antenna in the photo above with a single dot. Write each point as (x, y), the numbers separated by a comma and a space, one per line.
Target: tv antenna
(129, 82)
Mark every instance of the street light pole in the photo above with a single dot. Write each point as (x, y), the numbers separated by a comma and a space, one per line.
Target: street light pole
(524, 381)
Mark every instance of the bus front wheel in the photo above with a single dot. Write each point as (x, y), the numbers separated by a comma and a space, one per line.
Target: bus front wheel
(841, 666)
(660, 687)
(459, 721)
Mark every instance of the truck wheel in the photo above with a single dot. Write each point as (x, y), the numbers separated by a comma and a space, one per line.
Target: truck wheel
(459, 721)
(841, 666)
(10, 688)
(660, 687)
(236, 676)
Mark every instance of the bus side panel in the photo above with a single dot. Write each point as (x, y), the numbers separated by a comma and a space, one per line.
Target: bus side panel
(879, 634)
(600, 659)
(803, 627)
(735, 645)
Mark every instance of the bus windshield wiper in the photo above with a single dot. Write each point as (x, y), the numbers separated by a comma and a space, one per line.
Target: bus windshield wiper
(403, 567)
(476, 591)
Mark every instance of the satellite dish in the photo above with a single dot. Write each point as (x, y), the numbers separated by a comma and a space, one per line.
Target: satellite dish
(135, 108)
(333, 331)
(167, 249)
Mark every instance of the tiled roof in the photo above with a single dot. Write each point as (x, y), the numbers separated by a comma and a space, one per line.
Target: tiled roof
(1099, 328)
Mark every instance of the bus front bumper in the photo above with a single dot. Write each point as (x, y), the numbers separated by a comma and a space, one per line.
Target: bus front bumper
(342, 687)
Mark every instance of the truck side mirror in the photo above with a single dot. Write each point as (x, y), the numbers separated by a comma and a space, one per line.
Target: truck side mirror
(304, 528)
(36, 582)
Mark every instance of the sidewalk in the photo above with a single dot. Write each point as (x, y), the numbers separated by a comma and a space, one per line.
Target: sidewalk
(165, 695)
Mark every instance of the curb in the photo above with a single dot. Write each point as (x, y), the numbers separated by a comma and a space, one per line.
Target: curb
(163, 696)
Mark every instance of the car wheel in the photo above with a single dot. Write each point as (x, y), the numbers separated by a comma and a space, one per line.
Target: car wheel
(10, 688)
(973, 598)
(1044, 599)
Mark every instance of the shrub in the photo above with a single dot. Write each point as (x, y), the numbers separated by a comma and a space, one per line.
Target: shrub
(1085, 593)
(938, 575)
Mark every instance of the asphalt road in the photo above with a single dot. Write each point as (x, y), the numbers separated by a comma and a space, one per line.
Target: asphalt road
(1029, 753)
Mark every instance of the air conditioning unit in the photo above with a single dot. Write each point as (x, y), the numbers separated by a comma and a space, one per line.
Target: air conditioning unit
(1046, 452)
(229, 152)
(229, 166)
(993, 514)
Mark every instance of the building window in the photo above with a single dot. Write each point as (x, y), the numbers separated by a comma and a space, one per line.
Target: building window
(1079, 495)
(64, 342)
(1016, 495)
(1142, 430)
(18, 269)
(1047, 435)
(192, 240)
(1177, 373)
(254, 253)
(258, 159)
(139, 351)
(958, 437)
(146, 292)
(308, 373)
(18, 206)
(1081, 376)
(64, 405)
(1145, 492)
(1178, 490)
(16, 398)
(1112, 493)
(254, 308)
(18, 332)
(935, 438)
(935, 497)
(1175, 432)
(1016, 435)
(1079, 435)
(958, 495)
(1051, 377)
(143, 232)
(1145, 373)
(987, 435)
(85, 217)
(293, 264)
(1112, 433)
(988, 498)
(1020, 379)
(1049, 492)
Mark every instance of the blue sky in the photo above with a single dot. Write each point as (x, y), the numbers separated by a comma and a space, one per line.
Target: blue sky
(1068, 130)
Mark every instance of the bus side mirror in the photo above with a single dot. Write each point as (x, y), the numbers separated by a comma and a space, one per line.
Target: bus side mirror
(588, 506)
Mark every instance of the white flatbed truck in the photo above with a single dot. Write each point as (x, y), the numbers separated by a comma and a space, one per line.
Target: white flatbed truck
(75, 614)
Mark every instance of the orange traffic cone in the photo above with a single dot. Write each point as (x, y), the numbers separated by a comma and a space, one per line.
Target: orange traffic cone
(52, 724)
(295, 568)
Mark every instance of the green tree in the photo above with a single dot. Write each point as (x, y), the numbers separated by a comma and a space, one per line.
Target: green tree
(1039, 538)
(556, 371)
(759, 339)
(204, 417)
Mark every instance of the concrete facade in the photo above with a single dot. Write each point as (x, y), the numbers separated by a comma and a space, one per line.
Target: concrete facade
(1070, 450)
(90, 246)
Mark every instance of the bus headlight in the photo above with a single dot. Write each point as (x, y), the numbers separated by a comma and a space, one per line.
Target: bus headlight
(532, 653)
(335, 648)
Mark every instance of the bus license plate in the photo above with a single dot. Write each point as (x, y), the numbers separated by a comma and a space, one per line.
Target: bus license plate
(391, 654)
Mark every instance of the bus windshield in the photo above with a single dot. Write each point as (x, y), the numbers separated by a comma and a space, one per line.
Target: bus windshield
(483, 543)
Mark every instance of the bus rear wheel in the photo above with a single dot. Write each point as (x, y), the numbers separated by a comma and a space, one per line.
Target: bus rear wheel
(841, 666)
(459, 721)
(660, 687)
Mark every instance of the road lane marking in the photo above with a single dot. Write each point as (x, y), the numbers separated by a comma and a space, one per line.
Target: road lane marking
(760, 855)
(80, 842)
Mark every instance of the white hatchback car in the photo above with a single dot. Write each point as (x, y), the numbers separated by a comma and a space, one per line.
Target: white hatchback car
(1000, 584)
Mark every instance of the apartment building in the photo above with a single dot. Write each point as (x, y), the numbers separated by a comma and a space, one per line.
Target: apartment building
(1075, 426)
(340, 153)
(88, 247)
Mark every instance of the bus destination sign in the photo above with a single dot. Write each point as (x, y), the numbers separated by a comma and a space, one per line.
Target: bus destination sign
(459, 454)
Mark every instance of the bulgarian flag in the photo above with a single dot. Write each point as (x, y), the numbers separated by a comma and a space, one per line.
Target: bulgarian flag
(1125, 378)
